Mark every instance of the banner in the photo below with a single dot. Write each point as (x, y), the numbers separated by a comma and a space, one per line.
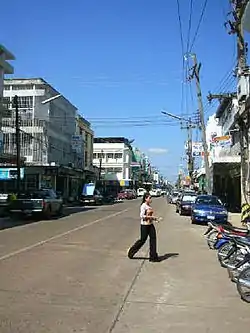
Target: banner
(197, 148)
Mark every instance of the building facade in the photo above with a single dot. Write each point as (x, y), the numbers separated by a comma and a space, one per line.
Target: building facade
(46, 128)
(52, 155)
(5, 67)
(113, 157)
(87, 134)
(223, 141)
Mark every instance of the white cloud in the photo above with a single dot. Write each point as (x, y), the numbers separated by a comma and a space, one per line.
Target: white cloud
(157, 151)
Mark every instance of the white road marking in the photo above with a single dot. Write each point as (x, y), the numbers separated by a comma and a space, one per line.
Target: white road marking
(30, 247)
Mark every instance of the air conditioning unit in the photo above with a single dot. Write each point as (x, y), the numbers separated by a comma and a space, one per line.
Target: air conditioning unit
(243, 88)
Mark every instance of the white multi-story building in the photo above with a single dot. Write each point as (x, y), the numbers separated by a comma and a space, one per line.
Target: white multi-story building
(5, 67)
(113, 156)
(47, 124)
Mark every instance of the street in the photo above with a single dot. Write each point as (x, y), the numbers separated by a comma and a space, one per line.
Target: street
(72, 275)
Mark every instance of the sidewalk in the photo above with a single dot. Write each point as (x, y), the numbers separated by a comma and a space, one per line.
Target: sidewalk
(188, 292)
(235, 219)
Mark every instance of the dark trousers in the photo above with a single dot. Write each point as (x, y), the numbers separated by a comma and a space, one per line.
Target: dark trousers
(146, 230)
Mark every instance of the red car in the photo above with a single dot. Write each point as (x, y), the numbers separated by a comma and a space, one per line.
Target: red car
(125, 195)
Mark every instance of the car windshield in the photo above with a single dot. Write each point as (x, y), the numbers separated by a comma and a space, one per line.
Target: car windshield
(189, 198)
(175, 194)
(213, 201)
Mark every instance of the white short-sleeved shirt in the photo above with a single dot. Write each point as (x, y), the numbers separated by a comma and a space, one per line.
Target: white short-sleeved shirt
(144, 208)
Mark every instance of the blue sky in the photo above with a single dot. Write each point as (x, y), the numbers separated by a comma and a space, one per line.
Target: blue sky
(121, 59)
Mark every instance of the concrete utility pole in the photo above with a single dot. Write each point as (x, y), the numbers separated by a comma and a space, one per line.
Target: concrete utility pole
(189, 127)
(100, 165)
(18, 148)
(196, 74)
(236, 27)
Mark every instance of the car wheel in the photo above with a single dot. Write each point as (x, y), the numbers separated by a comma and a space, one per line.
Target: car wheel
(60, 211)
(48, 213)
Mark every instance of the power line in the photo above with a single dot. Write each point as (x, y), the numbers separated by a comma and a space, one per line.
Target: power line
(199, 24)
(189, 24)
(182, 50)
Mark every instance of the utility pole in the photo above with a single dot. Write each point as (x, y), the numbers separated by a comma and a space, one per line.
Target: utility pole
(236, 27)
(18, 150)
(196, 75)
(100, 165)
(189, 127)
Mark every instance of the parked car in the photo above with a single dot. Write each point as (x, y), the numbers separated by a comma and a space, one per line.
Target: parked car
(91, 196)
(125, 195)
(133, 193)
(184, 204)
(42, 202)
(155, 192)
(174, 197)
(208, 208)
(141, 191)
(163, 192)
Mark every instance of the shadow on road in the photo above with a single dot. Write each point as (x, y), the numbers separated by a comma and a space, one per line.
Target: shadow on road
(7, 223)
(161, 258)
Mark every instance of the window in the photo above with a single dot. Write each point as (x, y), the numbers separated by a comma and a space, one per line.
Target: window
(100, 155)
(208, 200)
(22, 87)
(7, 87)
(117, 170)
(189, 198)
(86, 158)
(118, 155)
(110, 155)
(25, 102)
(94, 156)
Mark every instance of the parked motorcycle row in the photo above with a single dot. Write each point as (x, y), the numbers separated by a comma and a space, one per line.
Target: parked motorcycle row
(233, 251)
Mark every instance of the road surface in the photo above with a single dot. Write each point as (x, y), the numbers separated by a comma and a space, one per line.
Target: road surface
(72, 275)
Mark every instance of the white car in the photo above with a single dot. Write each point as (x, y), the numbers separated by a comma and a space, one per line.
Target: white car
(155, 192)
(141, 191)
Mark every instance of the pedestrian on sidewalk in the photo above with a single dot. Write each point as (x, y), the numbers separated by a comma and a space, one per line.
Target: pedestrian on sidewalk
(147, 229)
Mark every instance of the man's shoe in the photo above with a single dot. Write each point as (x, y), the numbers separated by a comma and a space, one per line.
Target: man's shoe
(157, 259)
(129, 254)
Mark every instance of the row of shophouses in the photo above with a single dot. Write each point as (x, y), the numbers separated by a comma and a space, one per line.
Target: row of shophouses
(58, 146)
(223, 139)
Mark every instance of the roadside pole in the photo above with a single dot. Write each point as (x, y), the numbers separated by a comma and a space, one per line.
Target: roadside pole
(196, 75)
(18, 148)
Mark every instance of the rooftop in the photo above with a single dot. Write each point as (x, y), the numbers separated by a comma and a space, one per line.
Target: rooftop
(8, 54)
(40, 81)
(113, 140)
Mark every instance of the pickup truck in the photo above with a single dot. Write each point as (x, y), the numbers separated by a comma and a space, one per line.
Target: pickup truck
(44, 203)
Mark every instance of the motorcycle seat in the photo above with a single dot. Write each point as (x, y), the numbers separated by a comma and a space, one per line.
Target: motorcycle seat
(236, 229)
(243, 240)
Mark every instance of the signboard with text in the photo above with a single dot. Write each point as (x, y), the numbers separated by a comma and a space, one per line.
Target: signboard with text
(10, 173)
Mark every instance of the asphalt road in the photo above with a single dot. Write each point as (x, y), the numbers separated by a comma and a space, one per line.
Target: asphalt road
(72, 275)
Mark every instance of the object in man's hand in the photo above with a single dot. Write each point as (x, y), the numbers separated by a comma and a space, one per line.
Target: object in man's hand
(158, 219)
(149, 214)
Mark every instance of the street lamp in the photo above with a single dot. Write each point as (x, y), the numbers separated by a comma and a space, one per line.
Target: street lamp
(51, 99)
(189, 127)
(189, 121)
